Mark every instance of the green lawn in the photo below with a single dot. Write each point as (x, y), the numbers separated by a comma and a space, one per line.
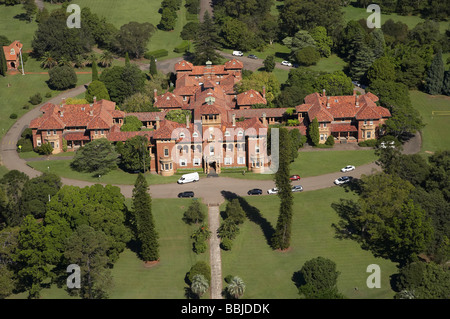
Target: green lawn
(436, 134)
(15, 29)
(62, 168)
(165, 280)
(331, 64)
(354, 13)
(268, 273)
(120, 12)
(314, 163)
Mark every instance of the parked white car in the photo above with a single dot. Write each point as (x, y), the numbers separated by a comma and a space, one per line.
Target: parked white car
(188, 178)
(286, 63)
(238, 53)
(343, 180)
(348, 168)
(272, 191)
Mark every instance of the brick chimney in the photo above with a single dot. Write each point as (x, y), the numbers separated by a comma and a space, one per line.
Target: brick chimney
(94, 99)
(157, 123)
(155, 95)
(187, 121)
(328, 102)
(264, 92)
(357, 101)
(324, 93)
(63, 101)
(234, 120)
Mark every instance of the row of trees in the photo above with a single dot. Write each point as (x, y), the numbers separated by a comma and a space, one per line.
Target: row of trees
(47, 227)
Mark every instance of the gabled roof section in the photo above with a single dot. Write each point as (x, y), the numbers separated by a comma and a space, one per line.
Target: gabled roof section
(168, 100)
(233, 64)
(250, 97)
(184, 66)
(12, 51)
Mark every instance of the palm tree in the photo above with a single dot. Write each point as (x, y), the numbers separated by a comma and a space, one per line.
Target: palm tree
(106, 59)
(48, 61)
(65, 60)
(199, 285)
(236, 287)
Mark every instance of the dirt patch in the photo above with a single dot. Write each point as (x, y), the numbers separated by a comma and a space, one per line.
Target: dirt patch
(287, 250)
(150, 264)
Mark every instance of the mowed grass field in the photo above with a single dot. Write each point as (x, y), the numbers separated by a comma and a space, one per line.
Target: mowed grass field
(132, 280)
(315, 163)
(268, 273)
(436, 133)
(120, 12)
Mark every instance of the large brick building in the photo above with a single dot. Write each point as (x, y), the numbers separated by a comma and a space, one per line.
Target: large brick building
(223, 130)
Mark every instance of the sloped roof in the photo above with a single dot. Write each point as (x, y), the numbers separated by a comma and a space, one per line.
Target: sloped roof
(250, 97)
(234, 64)
(12, 51)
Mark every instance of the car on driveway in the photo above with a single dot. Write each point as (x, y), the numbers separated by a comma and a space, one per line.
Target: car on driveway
(297, 188)
(186, 194)
(273, 191)
(255, 191)
(252, 56)
(343, 180)
(238, 53)
(286, 63)
(348, 168)
(295, 178)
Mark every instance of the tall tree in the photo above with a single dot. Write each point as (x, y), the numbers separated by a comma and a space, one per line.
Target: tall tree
(206, 42)
(32, 257)
(98, 90)
(94, 71)
(145, 226)
(236, 287)
(3, 65)
(313, 132)
(135, 155)
(97, 157)
(152, 68)
(435, 75)
(282, 235)
(87, 248)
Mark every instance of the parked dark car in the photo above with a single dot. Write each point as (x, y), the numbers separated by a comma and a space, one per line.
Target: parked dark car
(252, 56)
(186, 194)
(255, 191)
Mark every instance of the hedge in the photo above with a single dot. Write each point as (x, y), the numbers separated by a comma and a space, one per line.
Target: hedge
(156, 54)
(183, 47)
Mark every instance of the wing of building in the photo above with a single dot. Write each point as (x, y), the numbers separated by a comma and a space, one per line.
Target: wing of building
(222, 131)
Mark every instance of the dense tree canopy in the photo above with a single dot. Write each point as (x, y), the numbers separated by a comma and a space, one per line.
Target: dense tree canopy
(97, 157)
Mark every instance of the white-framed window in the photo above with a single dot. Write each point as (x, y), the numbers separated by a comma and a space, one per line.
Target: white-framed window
(324, 125)
(371, 122)
(240, 133)
(39, 143)
(228, 161)
(195, 134)
(102, 131)
(48, 132)
(166, 152)
(197, 161)
(257, 149)
(227, 133)
(365, 122)
(368, 134)
(241, 160)
(182, 134)
(211, 150)
(230, 147)
(183, 162)
(54, 132)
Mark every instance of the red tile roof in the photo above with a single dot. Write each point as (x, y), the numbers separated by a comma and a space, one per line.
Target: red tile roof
(76, 137)
(250, 97)
(344, 127)
(12, 51)
(168, 100)
(233, 64)
(149, 116)
(183, 66)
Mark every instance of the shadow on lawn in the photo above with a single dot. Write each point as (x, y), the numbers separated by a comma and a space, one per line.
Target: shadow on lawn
(253, 214)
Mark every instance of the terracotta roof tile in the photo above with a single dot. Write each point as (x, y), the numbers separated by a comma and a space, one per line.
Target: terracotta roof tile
(250, 97)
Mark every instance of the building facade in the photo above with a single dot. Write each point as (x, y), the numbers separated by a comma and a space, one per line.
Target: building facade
(12, 55)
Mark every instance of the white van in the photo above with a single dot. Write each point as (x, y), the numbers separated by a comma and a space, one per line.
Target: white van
(187, 178)
(238, 53)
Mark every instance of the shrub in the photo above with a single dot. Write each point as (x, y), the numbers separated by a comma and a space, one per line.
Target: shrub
(330, 140)
(307, 56)
(44, 149)
(13, 116)
(228, 278)
(48, 94)
(226, 243)
(156, 54)
(368, 143)
(200, 268)
(36, 99)
(294, 122)
(62, 78)
(183, 47)
(26, 106)
(26, 144)
(200, 246)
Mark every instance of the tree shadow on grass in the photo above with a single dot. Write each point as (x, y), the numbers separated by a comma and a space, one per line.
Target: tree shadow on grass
(253, 214)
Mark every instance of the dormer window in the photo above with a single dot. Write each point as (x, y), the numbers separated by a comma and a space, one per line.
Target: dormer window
(12, 52)
(227, 133)
(195, 134)
(182, 134)
(240, 133)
